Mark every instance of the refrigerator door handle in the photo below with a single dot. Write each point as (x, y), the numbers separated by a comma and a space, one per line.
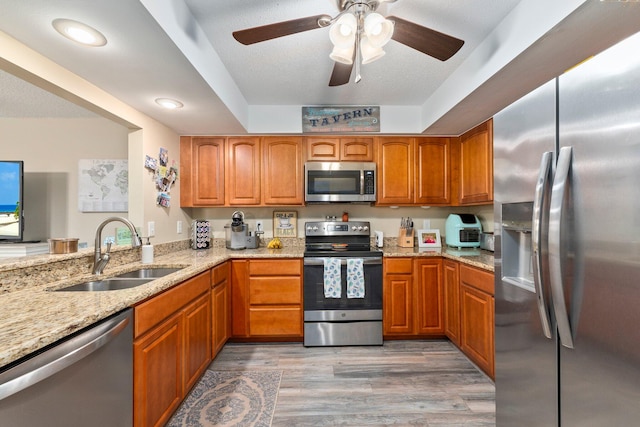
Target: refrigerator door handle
(560, 187)
(543, 184)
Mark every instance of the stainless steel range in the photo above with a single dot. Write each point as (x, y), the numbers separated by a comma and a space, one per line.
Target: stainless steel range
(342, 285)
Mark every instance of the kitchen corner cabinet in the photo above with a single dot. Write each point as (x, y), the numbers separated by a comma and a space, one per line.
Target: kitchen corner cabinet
(282, 179)
(171, 348)
(474, 165)
(412, 297)
(220, 308)
(202, 171)
(477, 317)
(242, 179)
(266, 299)
(451, 288)
(335, 149)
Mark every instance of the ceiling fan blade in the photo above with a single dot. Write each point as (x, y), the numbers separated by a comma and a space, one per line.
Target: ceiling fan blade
(279, 29)
(426, 40)
(341, 74)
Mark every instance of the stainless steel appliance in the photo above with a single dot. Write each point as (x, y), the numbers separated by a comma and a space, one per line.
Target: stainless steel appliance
(340, 182)
(345, 319)
(567, 168)
(463, 231)
(236, 232)
(85, 380)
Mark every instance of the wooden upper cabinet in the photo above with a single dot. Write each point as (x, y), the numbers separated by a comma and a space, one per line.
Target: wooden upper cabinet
(475, 165)
(395, 171)
(282, 179)
(242, 183)
(432, 171)
(201, 171)
(334, 149)
(323, 149)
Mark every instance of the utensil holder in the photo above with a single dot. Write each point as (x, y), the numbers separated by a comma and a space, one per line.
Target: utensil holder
(405, 238)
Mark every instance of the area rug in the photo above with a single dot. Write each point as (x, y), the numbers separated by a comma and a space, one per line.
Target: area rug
(230, 398)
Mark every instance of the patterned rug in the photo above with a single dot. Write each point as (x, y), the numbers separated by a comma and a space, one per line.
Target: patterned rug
(229, 398)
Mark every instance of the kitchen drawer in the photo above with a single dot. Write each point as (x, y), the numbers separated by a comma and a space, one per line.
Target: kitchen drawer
(157, 309)
(220, 273)
(275, 321)
(398, 266)
(275, 290)
(275, 267)
(479, 279)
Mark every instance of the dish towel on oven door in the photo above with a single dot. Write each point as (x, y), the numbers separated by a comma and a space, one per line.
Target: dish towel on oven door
(355, 278)
(332, 279)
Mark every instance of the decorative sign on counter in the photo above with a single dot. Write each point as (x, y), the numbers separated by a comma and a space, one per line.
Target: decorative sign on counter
(285, 224)
(341, 119)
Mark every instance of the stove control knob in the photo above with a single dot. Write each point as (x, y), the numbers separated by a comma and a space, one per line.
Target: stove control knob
(315, 228)
(359, 228)
(354, 228)
(365, 228)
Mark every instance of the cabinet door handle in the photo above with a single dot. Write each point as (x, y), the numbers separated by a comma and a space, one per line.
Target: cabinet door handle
(539, 225)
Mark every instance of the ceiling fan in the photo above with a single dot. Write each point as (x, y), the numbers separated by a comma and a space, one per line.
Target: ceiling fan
(358, 33)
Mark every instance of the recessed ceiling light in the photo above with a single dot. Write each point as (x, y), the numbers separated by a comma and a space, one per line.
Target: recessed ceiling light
(79, 32)
(170, 104)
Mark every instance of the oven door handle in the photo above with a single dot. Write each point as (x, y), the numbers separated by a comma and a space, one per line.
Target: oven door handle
(343, 260)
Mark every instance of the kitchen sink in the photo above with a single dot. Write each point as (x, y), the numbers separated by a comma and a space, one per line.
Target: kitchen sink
(144, 273)
(111, 284)
(128, 280)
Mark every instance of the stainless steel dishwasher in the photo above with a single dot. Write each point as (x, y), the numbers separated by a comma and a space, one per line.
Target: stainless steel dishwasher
(83, 380)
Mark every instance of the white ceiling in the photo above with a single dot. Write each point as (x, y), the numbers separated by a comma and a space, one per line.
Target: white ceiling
(184, 49)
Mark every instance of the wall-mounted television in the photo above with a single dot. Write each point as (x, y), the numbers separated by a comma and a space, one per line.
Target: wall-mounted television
(11, 200)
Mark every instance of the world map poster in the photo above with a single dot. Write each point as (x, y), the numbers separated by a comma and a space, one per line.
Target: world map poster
(103, 185)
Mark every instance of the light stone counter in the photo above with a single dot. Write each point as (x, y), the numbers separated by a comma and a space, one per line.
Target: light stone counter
(474, 257)
(33, 316)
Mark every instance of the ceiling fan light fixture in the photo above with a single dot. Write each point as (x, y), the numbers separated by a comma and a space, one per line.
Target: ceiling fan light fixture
(343, 55)
(369, 52)
(343, 32)
(378, 29)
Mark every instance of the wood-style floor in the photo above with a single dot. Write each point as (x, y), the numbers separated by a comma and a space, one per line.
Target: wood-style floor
(411, 383)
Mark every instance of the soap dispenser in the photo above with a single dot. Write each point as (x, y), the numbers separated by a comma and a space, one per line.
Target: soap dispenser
(147, 252)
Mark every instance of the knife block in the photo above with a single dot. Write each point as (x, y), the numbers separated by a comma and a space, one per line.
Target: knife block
(405, 238)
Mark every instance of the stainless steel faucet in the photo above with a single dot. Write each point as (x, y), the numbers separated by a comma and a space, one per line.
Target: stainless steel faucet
(100, 260)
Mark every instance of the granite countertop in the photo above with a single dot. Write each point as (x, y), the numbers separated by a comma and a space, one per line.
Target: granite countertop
(36, 316)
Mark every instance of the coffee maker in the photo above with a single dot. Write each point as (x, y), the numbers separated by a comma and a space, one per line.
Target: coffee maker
(236, 232)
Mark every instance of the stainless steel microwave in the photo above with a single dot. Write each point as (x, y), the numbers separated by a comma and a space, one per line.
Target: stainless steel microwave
(326, 182)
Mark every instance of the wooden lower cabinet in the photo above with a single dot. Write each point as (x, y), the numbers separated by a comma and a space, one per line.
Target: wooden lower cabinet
(267, 299)
(220, 308)
(397, 297)
(171, 348)
(435, 297)
(451, 288)
(412, 297)
(477, 317)
(428, 301)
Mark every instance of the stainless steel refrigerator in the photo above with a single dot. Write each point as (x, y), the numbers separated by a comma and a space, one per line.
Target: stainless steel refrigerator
(567, 248)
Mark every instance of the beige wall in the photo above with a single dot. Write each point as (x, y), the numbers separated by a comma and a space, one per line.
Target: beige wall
(52, 148)
(145, 135)
(382, 219)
